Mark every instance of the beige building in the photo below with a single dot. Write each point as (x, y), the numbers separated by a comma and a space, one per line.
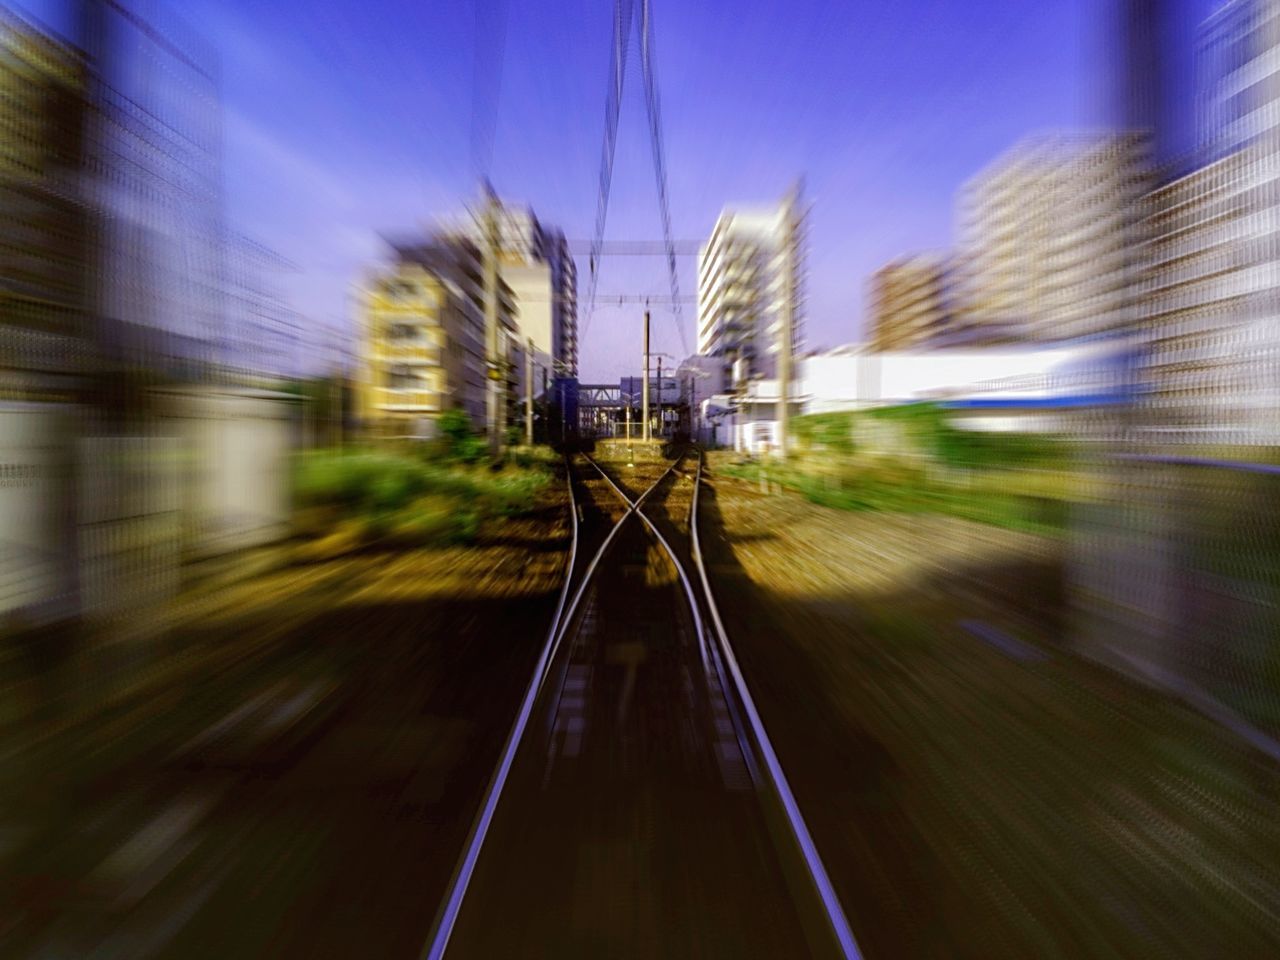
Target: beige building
(910, 302)
(424, 324)
(423, 342)
(1048, 235)
(423, 339)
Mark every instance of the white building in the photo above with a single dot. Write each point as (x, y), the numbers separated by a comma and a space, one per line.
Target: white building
(533, 305)
(749, 271)
(996, 389)
(536, 264)
(1236, 77)
(1212, 291)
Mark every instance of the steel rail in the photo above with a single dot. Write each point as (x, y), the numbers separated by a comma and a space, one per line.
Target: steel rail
(813, 861)
(438, 941)
(635, 505)
(591, 568)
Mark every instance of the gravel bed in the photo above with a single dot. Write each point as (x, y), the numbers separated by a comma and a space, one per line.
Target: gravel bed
(979, 799)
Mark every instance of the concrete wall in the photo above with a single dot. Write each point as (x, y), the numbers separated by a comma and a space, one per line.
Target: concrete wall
(99, 525)
(130, 531)
(35, 510)
(235, 484)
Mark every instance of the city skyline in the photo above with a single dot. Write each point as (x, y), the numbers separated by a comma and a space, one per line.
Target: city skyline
(336, 129)
(323, 149)
(364, 592)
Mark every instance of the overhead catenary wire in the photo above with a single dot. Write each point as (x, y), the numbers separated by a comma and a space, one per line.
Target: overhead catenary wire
(622, 13)
(659, 160)
(623, 16)
(486, 87)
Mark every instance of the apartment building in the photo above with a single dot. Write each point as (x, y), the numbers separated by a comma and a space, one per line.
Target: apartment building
(1212, 290)
(1212, 304)
(1047, 239)
(749, 272)
(423, 347)
(535, 262)
(911, 302)
(423, 339)
(1237, 81)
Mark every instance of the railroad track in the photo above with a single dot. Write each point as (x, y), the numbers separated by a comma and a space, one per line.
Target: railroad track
(638, 807)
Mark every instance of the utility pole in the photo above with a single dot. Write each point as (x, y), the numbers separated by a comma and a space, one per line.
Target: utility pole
(789, 287)
(563, 429)
(660, 424)
(335, 409)
(644, 386)
(528, 393)
(493, 393)
(335, 390)
(693, 410)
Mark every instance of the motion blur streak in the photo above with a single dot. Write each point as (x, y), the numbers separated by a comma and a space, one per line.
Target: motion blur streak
(348, 603)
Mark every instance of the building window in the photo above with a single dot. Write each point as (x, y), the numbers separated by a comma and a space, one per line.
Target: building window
(400, 377)
(399, 289)
(402, 332)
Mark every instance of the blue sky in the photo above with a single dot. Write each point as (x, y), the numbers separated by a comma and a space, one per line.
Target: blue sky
(343, 119)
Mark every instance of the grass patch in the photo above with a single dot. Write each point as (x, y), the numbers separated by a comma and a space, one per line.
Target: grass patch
(912, 459)
(413, 496)
(925, 429)
(899, 488)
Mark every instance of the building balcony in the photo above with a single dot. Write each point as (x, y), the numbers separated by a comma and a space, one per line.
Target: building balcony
(406, 401)
(406, 352)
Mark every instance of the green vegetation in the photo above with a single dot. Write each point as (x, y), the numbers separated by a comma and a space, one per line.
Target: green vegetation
(930, 426)
(417, 493)
(458, 442)
(924, 429)
(912, 459)
(828, 431)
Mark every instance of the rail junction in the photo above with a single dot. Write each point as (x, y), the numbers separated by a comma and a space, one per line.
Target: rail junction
(638, 807)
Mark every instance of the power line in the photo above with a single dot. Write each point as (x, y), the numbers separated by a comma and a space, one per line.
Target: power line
(487, 84)
(609, 299)
(634, 248)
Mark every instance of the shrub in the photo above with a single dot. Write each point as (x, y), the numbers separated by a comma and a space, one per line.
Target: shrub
(830, 431)
(400, 494)
(458, 439)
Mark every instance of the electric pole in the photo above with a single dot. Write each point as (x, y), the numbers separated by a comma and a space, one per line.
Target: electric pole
(528, 393)
(644, 387)
(563, 419)
(493, 393)
(789, 287)
(660, 425)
